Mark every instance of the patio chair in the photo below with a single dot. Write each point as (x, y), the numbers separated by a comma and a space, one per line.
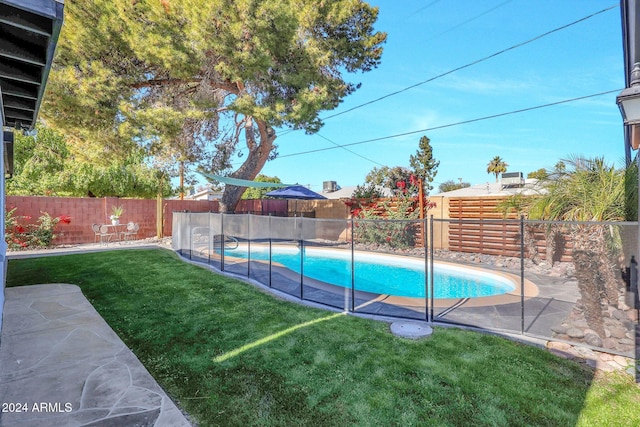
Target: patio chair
(132, 230)
(105, 233)
(96, 231)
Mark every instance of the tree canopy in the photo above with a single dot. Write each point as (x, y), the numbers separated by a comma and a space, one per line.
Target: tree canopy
(424, 165)
(44, 165)
(583, 190)
(399, 178)
(497, 166)
(451, 185)
(259, 193)
(392, 178)
(541, 174)
(194, 81)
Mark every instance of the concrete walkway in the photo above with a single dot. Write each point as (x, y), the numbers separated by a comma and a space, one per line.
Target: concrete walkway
(62, 365)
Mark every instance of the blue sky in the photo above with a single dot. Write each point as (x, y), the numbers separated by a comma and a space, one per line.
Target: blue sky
(427, 38)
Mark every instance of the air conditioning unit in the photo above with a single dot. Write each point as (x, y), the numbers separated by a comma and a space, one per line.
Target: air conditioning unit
(329, 186)
(512, 179)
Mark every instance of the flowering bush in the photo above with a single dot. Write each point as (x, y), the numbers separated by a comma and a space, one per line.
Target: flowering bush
(379, 223)
(28, 235)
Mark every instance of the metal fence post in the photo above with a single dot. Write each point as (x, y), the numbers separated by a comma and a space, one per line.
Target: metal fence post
(248, 245)
(426, 269)
(522, 274)
(353, 268)
(221, 242)
(190, 237)
(301, 245)
(270, 249)
(210, 245)
(431, 276)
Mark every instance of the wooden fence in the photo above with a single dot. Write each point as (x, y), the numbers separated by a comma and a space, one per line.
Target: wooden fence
(484, 229)
(85, 211)
(470, 224)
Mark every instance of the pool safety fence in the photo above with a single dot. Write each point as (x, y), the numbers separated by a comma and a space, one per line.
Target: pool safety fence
(564, 281)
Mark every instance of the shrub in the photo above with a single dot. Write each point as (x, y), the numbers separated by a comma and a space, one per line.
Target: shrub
(20, 234)
(381, 225)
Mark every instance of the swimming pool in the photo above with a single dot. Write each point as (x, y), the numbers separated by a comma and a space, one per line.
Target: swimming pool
(382, 274)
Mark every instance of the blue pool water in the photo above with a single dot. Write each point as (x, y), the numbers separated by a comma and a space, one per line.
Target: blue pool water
(382, 274)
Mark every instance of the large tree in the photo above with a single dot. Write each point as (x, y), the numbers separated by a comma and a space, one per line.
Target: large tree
(424, 165)
(44, 165)
(189, 81)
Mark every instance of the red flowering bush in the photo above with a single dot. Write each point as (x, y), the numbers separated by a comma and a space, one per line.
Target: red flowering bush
(380, 223)
(27, 235)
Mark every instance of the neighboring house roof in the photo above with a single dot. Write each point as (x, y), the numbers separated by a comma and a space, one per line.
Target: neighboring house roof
(205, 195)
(530, 187)
(29, 31)
(347, 192)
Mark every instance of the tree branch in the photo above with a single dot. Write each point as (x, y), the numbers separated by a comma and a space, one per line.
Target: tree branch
(227, 86)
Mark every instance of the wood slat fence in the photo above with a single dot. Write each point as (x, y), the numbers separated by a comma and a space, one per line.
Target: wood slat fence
(484, 229)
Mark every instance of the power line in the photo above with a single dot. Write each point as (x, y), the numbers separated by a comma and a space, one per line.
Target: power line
(470, 64)
(537, 107)
(350, 151)
(473, 63)
(424, 7)
(473, 18)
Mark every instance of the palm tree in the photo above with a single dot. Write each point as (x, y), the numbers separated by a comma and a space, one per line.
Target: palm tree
(497, 166)
(589, 190)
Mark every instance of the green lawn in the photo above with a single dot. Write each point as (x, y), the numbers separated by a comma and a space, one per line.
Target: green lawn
(230, 354)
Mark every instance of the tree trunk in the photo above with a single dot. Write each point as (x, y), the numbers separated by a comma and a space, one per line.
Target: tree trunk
(530, 243)
(588, 246)
(550, 239)
(607, 269)
(259, 153)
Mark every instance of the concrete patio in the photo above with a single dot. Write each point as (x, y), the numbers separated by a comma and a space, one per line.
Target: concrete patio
(62, 365)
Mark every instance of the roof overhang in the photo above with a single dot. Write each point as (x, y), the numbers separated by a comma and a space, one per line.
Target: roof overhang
(29, 31)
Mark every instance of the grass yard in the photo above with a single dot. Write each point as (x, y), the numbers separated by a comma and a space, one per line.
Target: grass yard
(230, 354)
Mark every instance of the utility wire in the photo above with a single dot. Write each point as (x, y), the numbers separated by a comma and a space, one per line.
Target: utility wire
(473, 18)
(470, 64)
(424, 7)
(493, 116)
(473, 63)
(350, 151)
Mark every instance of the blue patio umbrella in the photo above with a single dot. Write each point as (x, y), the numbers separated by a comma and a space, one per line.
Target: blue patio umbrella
(299, 192)
(296, 192)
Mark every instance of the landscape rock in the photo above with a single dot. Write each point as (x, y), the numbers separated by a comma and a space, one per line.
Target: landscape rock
(593, 340)
(575, 333)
